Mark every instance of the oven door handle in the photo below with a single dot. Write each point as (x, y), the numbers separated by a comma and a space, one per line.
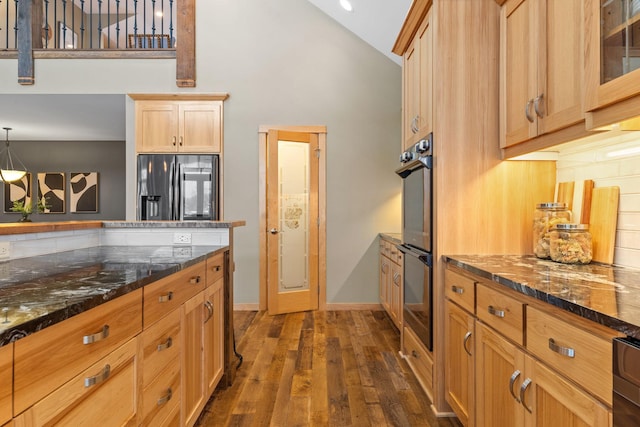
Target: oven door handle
(425, 257)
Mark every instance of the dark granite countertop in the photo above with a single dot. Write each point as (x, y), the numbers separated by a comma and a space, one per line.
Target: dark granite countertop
(40, 291)
(605, 294)
(394, 237)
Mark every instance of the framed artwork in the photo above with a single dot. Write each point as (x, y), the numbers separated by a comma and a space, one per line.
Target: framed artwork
(84, 192)
(51, 187)
(18, 191)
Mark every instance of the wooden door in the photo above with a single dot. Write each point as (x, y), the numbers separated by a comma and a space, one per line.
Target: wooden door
(156, 127)
(459, 366)
(395, 296)
(200, 127)
(385, 271)
(519, 71)
(214, 335)
(292, 221)
(560, 72)
(425, 103)
(193, 399)
(500, 371)
(411, 93)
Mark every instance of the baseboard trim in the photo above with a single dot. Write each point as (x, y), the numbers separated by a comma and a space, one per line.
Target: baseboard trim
(246, 307)
(330, 307)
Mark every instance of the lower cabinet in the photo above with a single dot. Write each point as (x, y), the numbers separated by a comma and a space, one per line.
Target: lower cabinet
(6, 382)
(391, 266)
(214, 336)
(459, 327)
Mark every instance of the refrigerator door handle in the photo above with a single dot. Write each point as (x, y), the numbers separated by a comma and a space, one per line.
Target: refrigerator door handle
(177, 201)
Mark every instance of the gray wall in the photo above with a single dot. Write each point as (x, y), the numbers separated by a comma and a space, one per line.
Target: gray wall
(105, 157)
(282, 62)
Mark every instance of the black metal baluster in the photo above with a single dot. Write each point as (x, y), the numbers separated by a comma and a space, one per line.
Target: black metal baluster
(46, 24)
(15, 27)
(90, 25)
(135, 23)
(82, 28)
(99, 21)
(64, 24)
(153, 20)
(171, 23)
(108, 24)
(117, 24)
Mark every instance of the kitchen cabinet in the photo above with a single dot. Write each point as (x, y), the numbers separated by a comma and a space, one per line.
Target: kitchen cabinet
(541, 71)
(390, 280)
(417, 81)
(459, 327)
(178, 126)
(6, 382)
(214, 336)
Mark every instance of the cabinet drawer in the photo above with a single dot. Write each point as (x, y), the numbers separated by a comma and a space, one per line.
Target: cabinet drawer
(165, 295)
(104, 394)
(6, 382)
(215, 268)
(47, 359)
(580, 355)
(161, 399)
(460, 289)
(418, 359)
(501, 312)
(160, 345)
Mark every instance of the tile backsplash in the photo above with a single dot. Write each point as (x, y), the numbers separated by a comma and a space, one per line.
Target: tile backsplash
(614, 161)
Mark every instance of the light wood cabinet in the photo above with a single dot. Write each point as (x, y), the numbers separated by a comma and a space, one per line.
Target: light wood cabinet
(6, 382)
(541, 71)
(417, 80)
(419, 359)
(214, 335)
(178, 126)
(390, 280)
(460, 363)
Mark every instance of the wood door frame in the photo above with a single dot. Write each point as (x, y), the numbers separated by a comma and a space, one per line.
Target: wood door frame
(321, 132)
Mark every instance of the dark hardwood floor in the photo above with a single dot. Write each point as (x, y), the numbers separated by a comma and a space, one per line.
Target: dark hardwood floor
(335, 368)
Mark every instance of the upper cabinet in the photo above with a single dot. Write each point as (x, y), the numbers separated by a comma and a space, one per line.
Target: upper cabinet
(541, 73)
(612, 59)
(417, 82)
(179, 126)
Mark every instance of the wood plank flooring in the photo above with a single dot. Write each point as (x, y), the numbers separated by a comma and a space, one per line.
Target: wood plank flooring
(334, 368)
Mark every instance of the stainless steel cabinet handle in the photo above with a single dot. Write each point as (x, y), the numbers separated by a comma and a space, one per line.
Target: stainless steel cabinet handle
(90, 381)
(167, 397)
(209, 308)
(181, 141)
(166, 298)
(385, 267)
(273, 231)
(536, 105)
(194, 280)
(496, 312)
(415, 354)
(167, 344)
(523, 388)
(396, 279)
(565, 351)
(99, 336)
(414, 127)
(465, 341)
(527, 111)
(512, 381)
(457, 290)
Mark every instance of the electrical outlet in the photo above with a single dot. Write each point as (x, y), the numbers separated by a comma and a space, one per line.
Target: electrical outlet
(5, 251)
(182, 238)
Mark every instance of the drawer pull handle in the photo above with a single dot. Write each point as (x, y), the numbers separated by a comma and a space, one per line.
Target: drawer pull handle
(496, 312)
(523, 389)
(209, 308)
(527, 111)
(164, 399)
(465, 342)
(167, 344)
(90, 339)
(216, 267)
(166, 298)
(173, 141)
(396, 279)
(415, 354)
(91, 381)
(565, 351)
(181, 140)
(512, 381)
(457, 290)
(194, 280)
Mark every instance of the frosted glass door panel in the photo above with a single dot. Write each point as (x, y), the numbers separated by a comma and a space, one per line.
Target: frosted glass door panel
(293, 215)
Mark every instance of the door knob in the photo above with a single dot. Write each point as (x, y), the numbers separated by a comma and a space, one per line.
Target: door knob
(273, 231)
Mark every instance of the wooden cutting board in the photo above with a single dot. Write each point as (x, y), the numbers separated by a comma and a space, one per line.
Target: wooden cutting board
(602, 222)
(565, 193)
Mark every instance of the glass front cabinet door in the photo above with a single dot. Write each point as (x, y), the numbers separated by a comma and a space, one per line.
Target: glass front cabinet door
(612, 36)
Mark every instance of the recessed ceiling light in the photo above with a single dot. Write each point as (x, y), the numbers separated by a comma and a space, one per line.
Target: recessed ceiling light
(346, 5)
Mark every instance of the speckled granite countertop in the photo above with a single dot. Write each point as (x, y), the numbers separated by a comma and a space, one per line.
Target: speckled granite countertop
(40, 291)
(604, 294)
(394, 237)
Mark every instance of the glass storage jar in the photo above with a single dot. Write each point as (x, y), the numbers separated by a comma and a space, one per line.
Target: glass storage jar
(571, 244)
(545, 217)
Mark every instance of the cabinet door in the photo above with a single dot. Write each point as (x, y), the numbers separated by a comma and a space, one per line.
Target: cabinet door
(200, 127)
(519, 70)
(459, 365)
(156, 127)
(425, 103)
(499, 376)
(6, 382)
(411, 93)
(214, 336)
(396, 294)
(193, 386)
(385, 274)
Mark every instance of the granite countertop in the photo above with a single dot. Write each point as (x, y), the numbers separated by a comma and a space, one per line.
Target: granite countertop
(605, 294)
(40, 291)
(394, 237)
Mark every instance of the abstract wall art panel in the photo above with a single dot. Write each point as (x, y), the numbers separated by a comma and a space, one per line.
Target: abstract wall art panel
(18, 191)
(84, 192)
(51, 186)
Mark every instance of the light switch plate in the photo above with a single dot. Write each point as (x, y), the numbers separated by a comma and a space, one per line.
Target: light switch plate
(182, 238)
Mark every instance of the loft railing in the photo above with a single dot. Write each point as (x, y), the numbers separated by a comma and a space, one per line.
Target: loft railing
(98, 28)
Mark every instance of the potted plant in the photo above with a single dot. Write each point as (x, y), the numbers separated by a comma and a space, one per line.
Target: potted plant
(26, 210)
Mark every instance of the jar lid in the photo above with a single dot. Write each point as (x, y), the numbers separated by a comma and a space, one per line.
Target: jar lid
(571, 227)
(551, 206)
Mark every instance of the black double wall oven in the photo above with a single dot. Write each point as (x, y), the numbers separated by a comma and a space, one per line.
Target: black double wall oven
(417, 209)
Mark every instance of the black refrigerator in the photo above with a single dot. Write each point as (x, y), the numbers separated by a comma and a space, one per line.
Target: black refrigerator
(182, 187)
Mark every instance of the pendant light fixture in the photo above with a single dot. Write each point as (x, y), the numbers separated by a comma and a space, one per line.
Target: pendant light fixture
(11, 168)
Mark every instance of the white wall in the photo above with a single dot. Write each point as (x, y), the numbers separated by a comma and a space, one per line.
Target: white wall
(589, 160)
(282, 62)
